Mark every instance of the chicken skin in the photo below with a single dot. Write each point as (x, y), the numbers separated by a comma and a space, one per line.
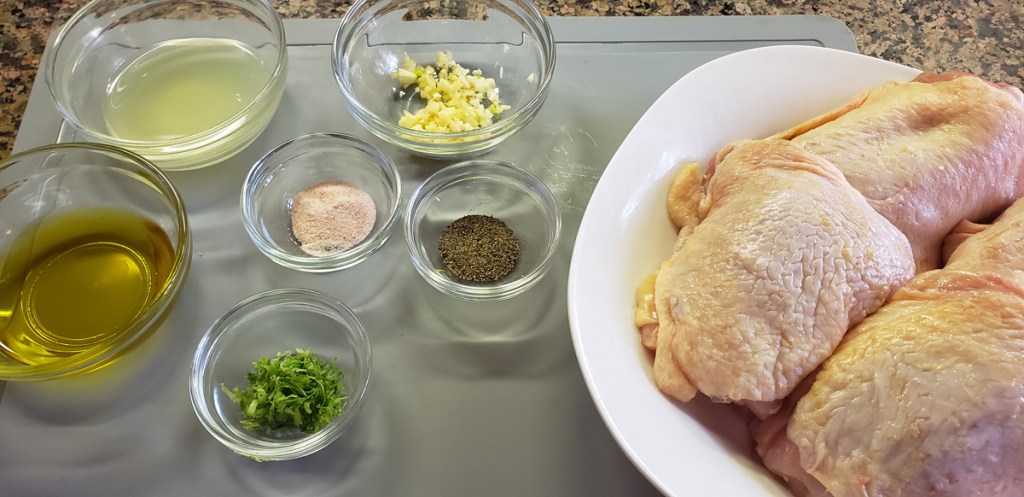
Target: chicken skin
(785, 258)
(927, 154)
(926, 396)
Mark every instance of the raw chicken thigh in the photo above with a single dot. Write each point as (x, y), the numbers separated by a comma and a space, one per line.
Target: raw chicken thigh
(787, 243)
(927, 154)
(926, 396)
(786, 257)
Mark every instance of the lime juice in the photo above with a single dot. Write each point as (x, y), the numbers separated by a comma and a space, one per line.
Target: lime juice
(183, 87)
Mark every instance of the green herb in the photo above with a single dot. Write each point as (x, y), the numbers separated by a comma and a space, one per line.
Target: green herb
(293, 389)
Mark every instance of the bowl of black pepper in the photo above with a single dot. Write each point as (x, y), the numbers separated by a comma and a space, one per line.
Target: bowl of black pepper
(482, 230)
(321, 202)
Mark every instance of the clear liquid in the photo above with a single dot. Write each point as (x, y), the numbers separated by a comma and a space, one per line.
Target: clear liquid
(183, 87)
(74, 280)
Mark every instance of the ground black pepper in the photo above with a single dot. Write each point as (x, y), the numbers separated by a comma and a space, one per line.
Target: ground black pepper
(479, 248)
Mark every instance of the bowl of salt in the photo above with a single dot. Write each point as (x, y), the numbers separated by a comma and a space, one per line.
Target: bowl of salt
(321, 202)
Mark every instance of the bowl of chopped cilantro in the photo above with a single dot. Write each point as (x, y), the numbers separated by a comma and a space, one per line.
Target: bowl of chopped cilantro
(449, 82)
(281, 375)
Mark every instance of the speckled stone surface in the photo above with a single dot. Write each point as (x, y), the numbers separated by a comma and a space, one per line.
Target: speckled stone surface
(977, 36)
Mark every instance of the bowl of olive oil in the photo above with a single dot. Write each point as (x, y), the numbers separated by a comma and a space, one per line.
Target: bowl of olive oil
(184, 83)
(94, 249)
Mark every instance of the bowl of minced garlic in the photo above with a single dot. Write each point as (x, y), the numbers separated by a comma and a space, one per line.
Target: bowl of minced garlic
(321, 202)
(448, 88)
(454, 98)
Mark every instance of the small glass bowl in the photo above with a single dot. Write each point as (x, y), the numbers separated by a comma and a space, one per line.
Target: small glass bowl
(509, 40)
(215, 73)
(492, 188)
(274, 181)
(95, 185)
(262, 326)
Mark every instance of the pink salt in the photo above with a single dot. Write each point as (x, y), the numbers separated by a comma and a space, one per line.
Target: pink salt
(330, 217)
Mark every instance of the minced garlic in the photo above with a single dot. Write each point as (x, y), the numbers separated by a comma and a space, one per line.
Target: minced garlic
(457, 99)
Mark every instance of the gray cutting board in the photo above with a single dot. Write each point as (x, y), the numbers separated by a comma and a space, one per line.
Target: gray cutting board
(466, 399)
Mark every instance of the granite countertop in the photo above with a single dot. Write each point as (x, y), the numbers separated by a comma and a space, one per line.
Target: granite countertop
(976, 36)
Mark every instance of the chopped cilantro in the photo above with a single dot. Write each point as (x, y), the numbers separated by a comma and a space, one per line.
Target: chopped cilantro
(293, 389)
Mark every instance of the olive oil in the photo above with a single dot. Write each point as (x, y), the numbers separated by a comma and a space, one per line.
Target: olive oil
(73, 280)
(183, 87)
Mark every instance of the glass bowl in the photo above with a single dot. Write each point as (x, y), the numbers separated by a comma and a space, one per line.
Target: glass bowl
(94, 249)
(184, 83)
(508, 40)
(490, 188)
(262, 326)
(270, 189)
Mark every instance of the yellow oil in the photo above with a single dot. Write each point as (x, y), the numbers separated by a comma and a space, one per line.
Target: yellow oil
(183, 87)
(70, 282)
